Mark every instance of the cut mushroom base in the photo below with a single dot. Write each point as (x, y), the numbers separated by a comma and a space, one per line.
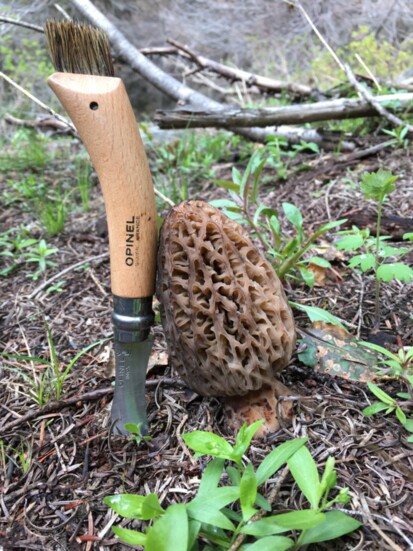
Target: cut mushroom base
(227, 322)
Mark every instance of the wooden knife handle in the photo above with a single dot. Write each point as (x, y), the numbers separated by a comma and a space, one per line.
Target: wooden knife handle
(101, 111)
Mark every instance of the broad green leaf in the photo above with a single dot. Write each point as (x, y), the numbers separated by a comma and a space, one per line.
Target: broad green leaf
(308, 276)
(305, 473)
(263, 503)
(408, 236)
(350, 243)
(376, 185)
(276, 459)
(263, 210)
(236, 177)
(170, 531)
(335, 525)
(329, 478)
(234, 475)
(397, 270)
(194, 527)
(410, 439)
(210, 515)
(331, 225)
(211, 476)
(130, 536)
(386, 251)
(380, 394)
(248, 492)
(318, 314)
(404, 395)
(379, 349)
(244, 437)
(318, 261)
(207, 508)
(271, 543)
(401, 416)
(366, 261)
(232, 186)
(151, 507)
(126, 505)
(373, 409)
(293, 215)
(408, 425)
(208, 443)
(277, 524)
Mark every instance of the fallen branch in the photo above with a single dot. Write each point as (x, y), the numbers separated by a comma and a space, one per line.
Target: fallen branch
(291, 114)
(57, 405)
(375, 103)
(234, 74)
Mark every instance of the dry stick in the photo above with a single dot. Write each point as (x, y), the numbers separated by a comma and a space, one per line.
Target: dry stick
(233, 73)
(21, 24)
(65, 271)
(39, 102)
(382, 111)
(52, 407)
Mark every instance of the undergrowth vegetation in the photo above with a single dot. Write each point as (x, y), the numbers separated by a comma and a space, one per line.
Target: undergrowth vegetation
(221, 514)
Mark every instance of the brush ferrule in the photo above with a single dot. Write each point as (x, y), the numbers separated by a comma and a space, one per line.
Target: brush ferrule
(132, 318)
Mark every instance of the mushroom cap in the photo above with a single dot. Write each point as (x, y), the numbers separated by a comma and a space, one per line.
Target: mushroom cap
(228, 326)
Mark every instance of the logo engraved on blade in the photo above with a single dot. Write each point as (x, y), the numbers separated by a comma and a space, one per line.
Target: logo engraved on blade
(123, 371)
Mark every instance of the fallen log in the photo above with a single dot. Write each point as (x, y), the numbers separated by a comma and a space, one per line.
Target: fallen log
(291, 114)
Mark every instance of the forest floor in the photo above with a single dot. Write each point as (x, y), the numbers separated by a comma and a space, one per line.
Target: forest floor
(54, 501)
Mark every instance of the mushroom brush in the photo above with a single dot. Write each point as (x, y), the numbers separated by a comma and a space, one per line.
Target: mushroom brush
(100, 109)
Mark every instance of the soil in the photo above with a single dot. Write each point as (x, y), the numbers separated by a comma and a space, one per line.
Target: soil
(74, 462)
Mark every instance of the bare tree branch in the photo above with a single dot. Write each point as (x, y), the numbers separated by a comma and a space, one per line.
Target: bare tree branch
(291, 114)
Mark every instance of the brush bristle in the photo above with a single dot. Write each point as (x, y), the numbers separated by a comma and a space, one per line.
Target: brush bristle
(78, 48)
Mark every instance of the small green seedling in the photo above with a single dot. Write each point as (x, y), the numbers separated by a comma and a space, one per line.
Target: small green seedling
(45, 384)
(39, 254)
(136, 433)
(220, 514)
(377, 186)
(388, 405)
(287, 251)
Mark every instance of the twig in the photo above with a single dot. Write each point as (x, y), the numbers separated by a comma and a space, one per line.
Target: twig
(21, 24)
(54, 406)
(65, 271)
(39, 102)
(382, 111)
(62, 11)
(373, 78)
(317, 32)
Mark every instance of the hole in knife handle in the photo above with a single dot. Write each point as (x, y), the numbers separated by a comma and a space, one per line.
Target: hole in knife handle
(94, 105)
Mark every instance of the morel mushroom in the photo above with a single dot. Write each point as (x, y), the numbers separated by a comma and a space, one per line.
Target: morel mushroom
(228, 326)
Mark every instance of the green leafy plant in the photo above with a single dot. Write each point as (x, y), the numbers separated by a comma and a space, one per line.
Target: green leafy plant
(400, 136)
(39, 253)
(84, 181)
(285, 250)
(135, 431)
(26, 152)
(179, 166)
(210, 518)
(388, 405)
(20, 456)
(13, 245)
(45, 384)
(52, 211)
(377, 186)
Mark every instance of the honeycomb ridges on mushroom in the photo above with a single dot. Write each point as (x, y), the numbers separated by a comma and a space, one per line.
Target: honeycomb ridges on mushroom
(228, 326)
